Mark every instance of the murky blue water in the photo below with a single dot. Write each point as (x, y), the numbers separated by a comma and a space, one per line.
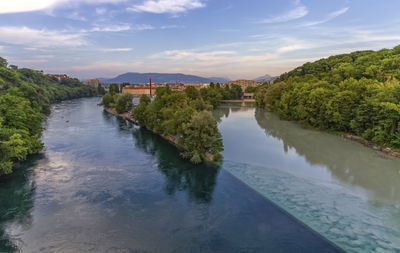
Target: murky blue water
(350, 194)
(103, 185)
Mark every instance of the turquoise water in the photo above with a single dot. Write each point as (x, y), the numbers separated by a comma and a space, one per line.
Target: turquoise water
(348, 193)
(103, 185)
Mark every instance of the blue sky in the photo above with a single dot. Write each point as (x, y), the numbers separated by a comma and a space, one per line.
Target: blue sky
(228, 38)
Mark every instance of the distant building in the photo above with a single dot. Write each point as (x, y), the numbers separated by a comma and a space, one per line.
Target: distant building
(243, 83)
(93, 82)
(248, 96)
(139, 90)
(58, 76)
(197, 85)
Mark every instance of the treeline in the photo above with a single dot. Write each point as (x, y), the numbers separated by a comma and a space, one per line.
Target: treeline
(25, 99)
(356, 93)
(182, 117)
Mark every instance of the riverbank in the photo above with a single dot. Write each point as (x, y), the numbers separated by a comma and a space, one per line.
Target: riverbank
(171, 139)
(386, 150)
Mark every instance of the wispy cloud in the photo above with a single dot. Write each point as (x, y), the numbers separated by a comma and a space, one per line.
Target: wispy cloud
(298, 12)
(167, 6)
(328, 18)
(101, 11)
(294, 47)
(110, 28)
(16, 6)
(40, 38)
(171, 27)
(116, 49)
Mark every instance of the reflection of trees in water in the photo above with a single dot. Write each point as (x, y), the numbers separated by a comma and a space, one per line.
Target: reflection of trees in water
(221, 112)
(346, 160)
(197, 180)
(16, 194)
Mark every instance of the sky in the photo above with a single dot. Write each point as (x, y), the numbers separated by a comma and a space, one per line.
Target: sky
(223, 38)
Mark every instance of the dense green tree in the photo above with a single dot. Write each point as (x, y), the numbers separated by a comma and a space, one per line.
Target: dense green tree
(192, 92)
(108, 100)
(100, 89)
(357, 93)
(25, 98)
(114, 88)
(176, 115)
(236, 92)
(123, 103)
(201, 138)
(3, 63)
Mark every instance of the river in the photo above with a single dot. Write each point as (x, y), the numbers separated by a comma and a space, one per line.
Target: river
(104, 185)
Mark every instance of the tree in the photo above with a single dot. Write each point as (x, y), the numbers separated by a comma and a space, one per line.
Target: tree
(3, 63)
(357, 93)
(123, 103)
(192, 92)
(108, 100)
(25, 98)
(201, 138)
(114, 88)
(236, 92)
(100, 89)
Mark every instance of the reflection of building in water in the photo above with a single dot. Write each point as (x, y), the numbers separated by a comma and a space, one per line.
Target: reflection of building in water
(348, 161)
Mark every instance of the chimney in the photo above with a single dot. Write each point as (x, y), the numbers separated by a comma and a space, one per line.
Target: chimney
(151, 93)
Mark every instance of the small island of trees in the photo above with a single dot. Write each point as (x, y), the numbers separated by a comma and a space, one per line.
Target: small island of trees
(183, 118)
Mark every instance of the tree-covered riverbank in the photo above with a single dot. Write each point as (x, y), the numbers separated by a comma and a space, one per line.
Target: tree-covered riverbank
(25, 99)
(357, 94)
(183, 118)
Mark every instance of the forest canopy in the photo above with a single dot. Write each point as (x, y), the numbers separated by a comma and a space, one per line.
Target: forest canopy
(25, 99)
(356, 93)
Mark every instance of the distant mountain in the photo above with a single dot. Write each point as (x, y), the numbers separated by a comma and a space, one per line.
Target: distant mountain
(266, 78)
(219, 79)
(141, 78)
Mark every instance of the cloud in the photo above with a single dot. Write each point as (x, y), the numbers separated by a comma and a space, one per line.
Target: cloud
(330, 16)
(117, 49)
(101, 11)
(184, 55)
(15, 6)
(171, 27)
(40, 38)
(296, 13)
(294, 47)
(167, 6)
(143, 27)
(111, 28)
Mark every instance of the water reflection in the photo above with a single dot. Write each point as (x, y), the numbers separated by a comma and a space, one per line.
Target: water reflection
(106, 186)
(16, 194)
(348, 161)
(198, 181)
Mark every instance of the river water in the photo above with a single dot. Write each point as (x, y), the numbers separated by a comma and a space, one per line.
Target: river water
(104, 185)
(348, 193)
